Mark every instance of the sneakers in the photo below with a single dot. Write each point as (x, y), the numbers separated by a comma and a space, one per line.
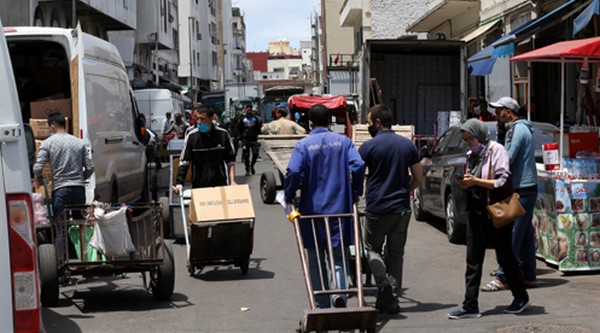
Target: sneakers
(495, 285)
(338, 301)
(463, 313)
(386, 302)
(517, 306)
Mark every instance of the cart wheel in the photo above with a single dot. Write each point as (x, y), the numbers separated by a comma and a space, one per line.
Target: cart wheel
(268, 187)
(244, 263)
(164, 202)
(48, 266)
(164, 278)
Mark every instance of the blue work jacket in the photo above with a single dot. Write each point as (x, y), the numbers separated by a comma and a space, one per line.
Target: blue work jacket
(328, 170)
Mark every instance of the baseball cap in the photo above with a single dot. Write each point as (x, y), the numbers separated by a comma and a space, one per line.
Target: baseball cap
(506, 102)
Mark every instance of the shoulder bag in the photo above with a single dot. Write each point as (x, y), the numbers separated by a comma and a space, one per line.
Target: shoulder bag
(504, 211)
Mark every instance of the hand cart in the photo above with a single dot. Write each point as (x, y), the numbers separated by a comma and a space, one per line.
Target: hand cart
(279, 147)
(221, 243)
(152, 255)
(360, 316)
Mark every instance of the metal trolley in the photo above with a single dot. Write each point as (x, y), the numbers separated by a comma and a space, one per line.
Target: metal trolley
(359, 316)
(221, 243)
(152, 256)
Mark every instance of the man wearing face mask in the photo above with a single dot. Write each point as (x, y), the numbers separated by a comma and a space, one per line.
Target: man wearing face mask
(208, 148)
(388, 158)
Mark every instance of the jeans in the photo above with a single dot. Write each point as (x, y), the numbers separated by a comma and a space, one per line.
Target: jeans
(480, 229)
(250, 146)
(395, 228)
(523, 240)
(65, 196)
(316, 275)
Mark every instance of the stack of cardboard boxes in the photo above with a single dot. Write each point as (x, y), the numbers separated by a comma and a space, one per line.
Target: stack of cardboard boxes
(40, 110)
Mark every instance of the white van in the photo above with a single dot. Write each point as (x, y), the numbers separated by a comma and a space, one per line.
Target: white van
(19, 299)
(154, 103)
(88, 72)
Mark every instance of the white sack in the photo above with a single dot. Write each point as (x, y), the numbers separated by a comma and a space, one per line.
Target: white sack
(111, 234)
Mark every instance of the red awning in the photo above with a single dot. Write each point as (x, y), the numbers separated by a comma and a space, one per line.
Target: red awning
(301, 103)
(569, 51)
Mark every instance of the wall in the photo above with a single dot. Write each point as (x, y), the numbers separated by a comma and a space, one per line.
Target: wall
(390, 18)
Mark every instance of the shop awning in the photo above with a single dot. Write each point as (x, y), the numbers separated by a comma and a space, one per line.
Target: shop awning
(586, 16)
(482, 62)
(445, 10)
(570, 51)
(506, 47)
(482, 31)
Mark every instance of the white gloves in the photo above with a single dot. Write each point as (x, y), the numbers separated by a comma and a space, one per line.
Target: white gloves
(178, 189)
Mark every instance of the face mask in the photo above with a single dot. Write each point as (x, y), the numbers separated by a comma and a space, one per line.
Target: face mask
(203, 128)
(476, 149)
(372, 130)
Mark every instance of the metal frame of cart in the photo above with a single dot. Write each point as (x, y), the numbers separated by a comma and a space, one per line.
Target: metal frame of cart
(360, 316)
(152, 255)
(221, 243)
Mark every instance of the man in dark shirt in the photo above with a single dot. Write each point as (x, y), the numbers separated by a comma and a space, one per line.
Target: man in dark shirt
(388, 158)
(209, 150)
(248, 131)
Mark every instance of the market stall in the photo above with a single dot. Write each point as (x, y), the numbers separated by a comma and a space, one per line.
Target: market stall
(567, 212)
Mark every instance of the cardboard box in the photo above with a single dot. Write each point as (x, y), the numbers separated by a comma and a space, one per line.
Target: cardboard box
(41, 109)
(40, 128)
(221, 203)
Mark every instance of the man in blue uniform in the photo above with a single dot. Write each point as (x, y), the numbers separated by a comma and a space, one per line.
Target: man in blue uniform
(328, 170)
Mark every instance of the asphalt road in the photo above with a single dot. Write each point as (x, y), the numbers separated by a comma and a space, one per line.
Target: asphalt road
(272, 296)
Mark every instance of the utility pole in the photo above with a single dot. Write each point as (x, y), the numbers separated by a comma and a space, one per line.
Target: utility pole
(157, 20)
(190, 55)
(221, 45)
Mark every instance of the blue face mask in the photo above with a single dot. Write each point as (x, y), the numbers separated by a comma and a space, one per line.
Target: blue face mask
(203, 128)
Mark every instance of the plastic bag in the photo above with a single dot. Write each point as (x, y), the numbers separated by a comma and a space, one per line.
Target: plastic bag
(111, 234)
(90, 253)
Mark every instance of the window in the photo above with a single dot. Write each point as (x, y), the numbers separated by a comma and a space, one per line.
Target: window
(444, 141)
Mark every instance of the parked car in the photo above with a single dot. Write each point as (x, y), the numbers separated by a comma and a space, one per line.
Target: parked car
(20, 309)
(440, 195)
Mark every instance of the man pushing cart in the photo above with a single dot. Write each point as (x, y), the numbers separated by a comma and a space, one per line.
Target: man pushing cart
(210, 151)
(328, 170)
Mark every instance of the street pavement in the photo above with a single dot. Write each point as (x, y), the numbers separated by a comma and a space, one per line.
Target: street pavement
(272, 296)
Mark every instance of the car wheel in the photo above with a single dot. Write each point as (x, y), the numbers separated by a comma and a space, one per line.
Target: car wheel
(454, 229)
(420, 214)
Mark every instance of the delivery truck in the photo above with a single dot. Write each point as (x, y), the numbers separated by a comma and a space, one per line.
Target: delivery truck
(416, 78)
(241, 91)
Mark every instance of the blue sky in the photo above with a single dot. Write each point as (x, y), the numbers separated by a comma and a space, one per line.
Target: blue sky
(271, 20)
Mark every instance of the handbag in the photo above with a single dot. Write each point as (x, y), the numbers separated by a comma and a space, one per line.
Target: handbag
(504, 211)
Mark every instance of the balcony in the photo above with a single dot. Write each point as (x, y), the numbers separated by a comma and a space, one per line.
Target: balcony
(440, 12)
(351, 13)
(342, 61)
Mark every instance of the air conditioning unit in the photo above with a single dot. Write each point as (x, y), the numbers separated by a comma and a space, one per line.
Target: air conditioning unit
(198, 36)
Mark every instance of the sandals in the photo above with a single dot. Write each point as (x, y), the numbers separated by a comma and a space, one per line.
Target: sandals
(494, 285)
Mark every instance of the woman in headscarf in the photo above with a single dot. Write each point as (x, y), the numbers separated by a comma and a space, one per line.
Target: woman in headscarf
(479, 184)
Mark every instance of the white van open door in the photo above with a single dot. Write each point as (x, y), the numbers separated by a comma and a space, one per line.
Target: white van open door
(78, 102)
